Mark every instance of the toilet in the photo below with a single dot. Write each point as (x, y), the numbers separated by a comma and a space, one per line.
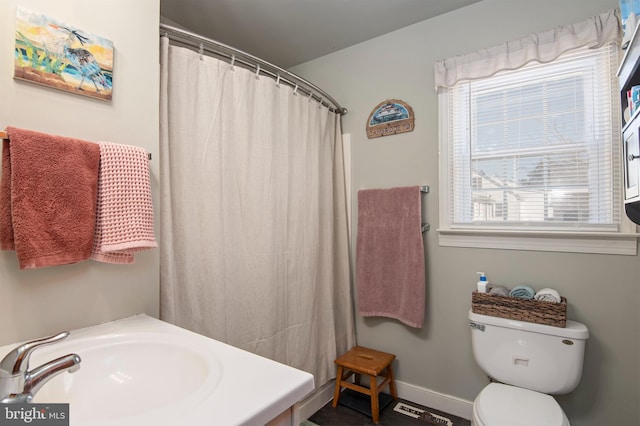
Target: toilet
(527, 363)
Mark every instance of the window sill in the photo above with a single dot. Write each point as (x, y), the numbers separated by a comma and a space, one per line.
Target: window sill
(571, 242)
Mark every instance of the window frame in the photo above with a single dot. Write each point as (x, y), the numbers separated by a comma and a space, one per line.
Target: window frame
(606, 239)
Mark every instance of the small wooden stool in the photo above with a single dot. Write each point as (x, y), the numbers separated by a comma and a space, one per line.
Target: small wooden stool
(360, 360)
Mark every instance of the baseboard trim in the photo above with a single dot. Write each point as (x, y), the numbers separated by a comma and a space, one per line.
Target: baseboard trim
(423, 396)
(439, 401)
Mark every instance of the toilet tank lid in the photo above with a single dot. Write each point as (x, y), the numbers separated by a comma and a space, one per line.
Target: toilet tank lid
(573, 329)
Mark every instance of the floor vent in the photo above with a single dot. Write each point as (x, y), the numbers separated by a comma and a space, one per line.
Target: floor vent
(423, 415)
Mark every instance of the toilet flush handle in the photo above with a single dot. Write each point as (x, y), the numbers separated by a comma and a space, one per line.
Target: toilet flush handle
(476, 326)
(522, 361)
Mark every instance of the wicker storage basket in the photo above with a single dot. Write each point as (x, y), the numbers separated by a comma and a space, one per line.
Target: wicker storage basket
(537, 311)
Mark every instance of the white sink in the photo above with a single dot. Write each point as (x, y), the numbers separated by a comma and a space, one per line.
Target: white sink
(142, 371)
(130, 374)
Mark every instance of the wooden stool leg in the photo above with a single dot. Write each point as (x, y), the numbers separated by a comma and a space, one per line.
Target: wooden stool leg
(392, 383)
(375, 414)
(336, 393)
(356, 378)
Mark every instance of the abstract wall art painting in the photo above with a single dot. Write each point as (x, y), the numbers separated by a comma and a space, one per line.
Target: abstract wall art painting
(54, 54)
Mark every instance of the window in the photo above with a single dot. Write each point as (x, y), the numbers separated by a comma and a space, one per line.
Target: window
(530, 158)
(540, 142)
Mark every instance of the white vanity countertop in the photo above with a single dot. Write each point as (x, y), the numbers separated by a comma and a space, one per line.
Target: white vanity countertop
(245, 389)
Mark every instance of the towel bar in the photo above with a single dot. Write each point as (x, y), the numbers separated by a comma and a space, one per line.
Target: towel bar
(425, 226)
(3, 135)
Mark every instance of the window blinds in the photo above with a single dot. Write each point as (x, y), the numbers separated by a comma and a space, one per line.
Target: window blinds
(537, 146)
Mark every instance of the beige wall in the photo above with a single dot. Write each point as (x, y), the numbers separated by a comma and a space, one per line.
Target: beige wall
(34, 303)
(603, 290)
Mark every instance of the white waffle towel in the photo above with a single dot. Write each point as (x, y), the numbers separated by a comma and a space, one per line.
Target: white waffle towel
(124, 220)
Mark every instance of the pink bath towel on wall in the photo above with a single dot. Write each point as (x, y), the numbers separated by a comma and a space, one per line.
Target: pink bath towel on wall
(390, 271)
(6, 225)
(48, 196)
(124, 223)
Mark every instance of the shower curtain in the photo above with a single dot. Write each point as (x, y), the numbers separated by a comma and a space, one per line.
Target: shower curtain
(254, 245)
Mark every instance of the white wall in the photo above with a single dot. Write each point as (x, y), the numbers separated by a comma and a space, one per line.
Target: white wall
(34, 303)
(603, 290)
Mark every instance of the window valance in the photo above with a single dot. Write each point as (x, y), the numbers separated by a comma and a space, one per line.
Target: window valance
(542, 47)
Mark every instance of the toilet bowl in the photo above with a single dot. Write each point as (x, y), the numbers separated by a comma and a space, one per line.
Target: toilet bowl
(527, 363)
(505, 405)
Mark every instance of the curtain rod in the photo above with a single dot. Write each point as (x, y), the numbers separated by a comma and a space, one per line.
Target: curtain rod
(236, 56)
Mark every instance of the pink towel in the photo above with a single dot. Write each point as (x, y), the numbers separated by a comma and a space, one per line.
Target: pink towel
(124, 223)
(48, 197)
(390, 272)
(6, 224)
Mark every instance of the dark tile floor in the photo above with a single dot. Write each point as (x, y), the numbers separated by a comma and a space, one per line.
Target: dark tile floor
(346, 416)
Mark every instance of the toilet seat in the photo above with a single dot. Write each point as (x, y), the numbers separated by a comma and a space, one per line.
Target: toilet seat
(505, 405)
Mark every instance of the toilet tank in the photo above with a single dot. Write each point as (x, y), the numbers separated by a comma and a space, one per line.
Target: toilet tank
(539, 357)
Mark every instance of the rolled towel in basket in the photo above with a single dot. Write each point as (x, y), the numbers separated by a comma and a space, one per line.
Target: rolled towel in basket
(522, 292)
(548, 295)
(499, 290)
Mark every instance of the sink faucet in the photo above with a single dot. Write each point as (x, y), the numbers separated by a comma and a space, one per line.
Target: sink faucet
(18, 384)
